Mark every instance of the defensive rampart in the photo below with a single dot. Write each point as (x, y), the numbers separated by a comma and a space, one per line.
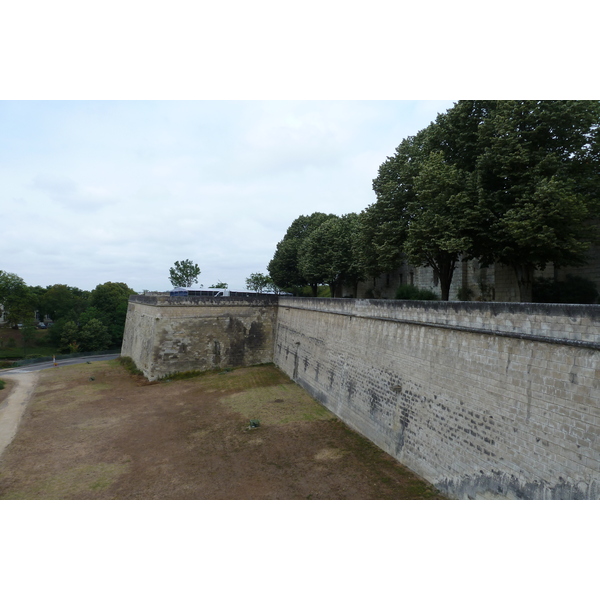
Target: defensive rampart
(481, 399)
(165, 335)
(484, 400)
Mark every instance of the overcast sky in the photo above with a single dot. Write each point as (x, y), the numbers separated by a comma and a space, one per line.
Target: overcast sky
(97, 191)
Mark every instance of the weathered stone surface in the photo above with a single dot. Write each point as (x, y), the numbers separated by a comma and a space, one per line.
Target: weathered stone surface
(484, 400)
(166, 335)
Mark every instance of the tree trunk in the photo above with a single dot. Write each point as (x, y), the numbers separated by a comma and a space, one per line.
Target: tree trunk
(445, 271)
(524, 275)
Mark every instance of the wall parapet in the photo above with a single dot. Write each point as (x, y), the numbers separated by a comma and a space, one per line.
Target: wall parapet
(571, 324)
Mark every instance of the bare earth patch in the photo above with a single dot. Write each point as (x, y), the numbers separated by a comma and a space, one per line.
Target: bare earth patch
(93, 431)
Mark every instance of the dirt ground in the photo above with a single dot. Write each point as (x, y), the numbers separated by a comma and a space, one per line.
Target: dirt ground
(93, 431)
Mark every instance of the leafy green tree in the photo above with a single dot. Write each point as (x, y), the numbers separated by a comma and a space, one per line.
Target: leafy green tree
(284, 268)
(515, 182)
(69, 339)
(16, 298)
(184, 273)
(439, 217)
(94, 335)
(93, 312)
(111, 301)
(383, 226)
(220, 286)
(538, 175)
(259, 282)
(63, 301)
(10, 283)
(328, 254)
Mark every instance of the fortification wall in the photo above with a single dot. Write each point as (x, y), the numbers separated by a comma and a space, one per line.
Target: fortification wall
(164, 335)
(482, 399)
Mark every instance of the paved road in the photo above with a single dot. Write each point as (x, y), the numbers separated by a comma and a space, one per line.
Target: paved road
(61, 363)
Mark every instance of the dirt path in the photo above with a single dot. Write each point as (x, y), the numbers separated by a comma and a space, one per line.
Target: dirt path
(13, 407)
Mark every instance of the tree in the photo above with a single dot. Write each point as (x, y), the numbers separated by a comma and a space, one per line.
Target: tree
(15, 297)
(383, 226)
(111, 301)
(538, 182)
(515, 182)
(439, 215)
(63, 301)
(184, 273)
(328, 254)
(220, 286)
(258, 282)
(69, 339)
(94, 335)
(283, 268)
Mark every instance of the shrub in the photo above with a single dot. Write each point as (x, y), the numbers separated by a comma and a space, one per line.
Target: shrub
(412, 292)
(2, 384)
(574, 290)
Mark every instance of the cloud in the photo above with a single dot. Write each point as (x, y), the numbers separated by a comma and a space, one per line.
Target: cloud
(117, 191)
(69, 194)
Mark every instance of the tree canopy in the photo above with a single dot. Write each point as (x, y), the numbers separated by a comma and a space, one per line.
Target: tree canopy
(184, 273)
(328, 254)
(111, 301)
(16, 297)
(514, 182)
(284, 268)
(259, 282)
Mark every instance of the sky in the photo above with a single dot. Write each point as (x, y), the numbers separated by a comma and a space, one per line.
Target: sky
(97, 191)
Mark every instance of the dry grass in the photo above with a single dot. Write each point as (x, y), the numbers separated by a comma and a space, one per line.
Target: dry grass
(94, 431)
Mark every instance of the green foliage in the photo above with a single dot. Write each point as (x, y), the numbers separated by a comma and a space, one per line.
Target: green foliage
(2, 384)
(515, 182)
(412, 292)
(220, 286)
(10, 284)
(437, 219)
(184, 273)
(284, 267)
(259, 282)
(111, 300)
(327, 254)
(94, 336)
(574, 290)
(16, 298)
(69, 339)
(61, 301)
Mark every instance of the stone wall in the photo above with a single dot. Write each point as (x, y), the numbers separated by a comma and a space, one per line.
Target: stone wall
(482, 399)
(166, 334)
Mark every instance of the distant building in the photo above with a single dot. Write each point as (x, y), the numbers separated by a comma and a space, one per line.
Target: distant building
(495, 283)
